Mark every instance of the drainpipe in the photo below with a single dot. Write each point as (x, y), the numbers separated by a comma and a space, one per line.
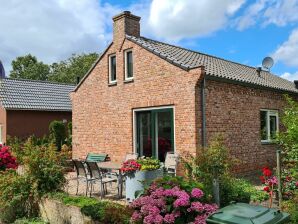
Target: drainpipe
(203, 108)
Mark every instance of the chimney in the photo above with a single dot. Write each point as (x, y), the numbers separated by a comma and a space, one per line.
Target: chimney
(125, 23)
(296, 83)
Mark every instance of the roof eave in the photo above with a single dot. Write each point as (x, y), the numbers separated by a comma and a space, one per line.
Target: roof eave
(248, 84)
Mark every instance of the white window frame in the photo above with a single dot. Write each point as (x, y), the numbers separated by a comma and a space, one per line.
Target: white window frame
(110, 69)
(125, 65)
(268, 114)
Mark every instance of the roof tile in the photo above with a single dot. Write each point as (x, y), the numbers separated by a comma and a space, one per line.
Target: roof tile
(214, 66)
(35, 95)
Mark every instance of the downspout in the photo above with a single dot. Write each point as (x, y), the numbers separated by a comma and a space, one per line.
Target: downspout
(203, 111)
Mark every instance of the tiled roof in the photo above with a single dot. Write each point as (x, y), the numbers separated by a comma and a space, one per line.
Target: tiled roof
(214, 66)
(21, 94)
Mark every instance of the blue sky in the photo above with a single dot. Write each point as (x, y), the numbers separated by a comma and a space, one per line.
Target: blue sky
(244, 31)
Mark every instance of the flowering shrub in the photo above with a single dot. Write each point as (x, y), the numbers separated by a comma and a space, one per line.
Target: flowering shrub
(149, 163)
(289, 185)
(7, 161)
(270, 183)
(173, 205)
(130, 166)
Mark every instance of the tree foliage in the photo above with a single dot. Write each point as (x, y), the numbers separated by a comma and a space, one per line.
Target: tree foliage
(57, 133)
(76, 66)
(66, 71)
(28, 67)
(289, 137)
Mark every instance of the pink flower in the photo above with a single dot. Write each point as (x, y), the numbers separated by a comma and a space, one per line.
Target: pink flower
(136, 216)
(296, 184)
(169, 218)
(183, 199)
(197, 193)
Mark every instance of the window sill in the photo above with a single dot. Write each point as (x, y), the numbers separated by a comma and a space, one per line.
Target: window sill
(112, 84)
(128, 80)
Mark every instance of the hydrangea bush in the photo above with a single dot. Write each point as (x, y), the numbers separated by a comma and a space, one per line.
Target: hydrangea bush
(174, 205)
(7, 160)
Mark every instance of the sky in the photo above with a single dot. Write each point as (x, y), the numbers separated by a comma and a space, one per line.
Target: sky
(244, 31)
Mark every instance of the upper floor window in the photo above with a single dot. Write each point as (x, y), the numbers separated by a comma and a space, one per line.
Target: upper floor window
(112, 69)
(128, 65)
(269, 125)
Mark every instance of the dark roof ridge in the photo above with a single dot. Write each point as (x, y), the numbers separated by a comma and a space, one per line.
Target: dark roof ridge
(198, 52)
(39, 81)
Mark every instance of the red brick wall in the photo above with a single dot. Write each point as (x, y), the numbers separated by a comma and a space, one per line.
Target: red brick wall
(23, 123)
(234, 111)
(103, 114)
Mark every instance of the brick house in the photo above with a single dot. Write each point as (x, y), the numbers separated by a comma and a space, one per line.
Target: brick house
(27, 107)
(150, 97)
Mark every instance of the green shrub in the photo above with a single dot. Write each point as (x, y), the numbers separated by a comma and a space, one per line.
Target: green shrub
(20, 194)
(30, 221)
(100, 211)
(108, 212)
(239, 190)
(291, 206)
(215, 160)
(57, 133)
(69, 133)
(44, 164)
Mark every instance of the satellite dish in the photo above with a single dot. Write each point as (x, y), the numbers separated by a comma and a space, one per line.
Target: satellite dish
(2, 71)
(267, 63)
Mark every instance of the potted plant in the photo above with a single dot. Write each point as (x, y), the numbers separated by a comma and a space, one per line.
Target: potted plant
(140, 173)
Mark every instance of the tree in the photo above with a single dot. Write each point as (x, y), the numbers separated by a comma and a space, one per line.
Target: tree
(68, 70)
(288, 138)
(28, 67)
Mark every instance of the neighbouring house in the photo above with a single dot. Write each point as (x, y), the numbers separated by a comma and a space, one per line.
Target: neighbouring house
(27, 107)
(150, 97)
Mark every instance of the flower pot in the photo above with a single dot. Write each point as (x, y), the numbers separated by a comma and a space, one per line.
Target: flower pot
(136, 181)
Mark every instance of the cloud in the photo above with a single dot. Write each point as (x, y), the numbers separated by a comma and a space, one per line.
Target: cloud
(282, 12)
(192, 18)
(287, 52)
(54, 29)
(289, 76)
(266, 12)
(251, 14)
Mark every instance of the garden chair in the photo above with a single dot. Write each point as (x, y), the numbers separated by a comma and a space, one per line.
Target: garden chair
(96, 157)
(81, 174)
(171, 163)
(130, 156)
(97, 174)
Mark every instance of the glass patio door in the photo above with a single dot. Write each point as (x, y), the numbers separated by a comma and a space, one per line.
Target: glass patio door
(155, 133)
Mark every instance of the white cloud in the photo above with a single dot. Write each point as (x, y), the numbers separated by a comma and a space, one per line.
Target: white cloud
(282, 12)
(53, 29)
(251, 14)
(177, 19)
(277, 12)
(288, 51)
(289, 76)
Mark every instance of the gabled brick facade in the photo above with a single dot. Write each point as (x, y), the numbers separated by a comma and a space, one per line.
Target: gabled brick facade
(103, 114)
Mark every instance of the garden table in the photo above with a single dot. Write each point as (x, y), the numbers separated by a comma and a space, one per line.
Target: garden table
(116, 167)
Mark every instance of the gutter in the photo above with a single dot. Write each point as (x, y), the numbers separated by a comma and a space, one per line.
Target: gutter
(203, 111)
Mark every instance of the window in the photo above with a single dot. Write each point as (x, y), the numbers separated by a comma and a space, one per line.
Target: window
(128, 65)
(154, 132)
(269, 125)
(112, 69)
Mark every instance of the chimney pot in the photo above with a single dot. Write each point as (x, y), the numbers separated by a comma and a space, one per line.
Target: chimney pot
(125, 23)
